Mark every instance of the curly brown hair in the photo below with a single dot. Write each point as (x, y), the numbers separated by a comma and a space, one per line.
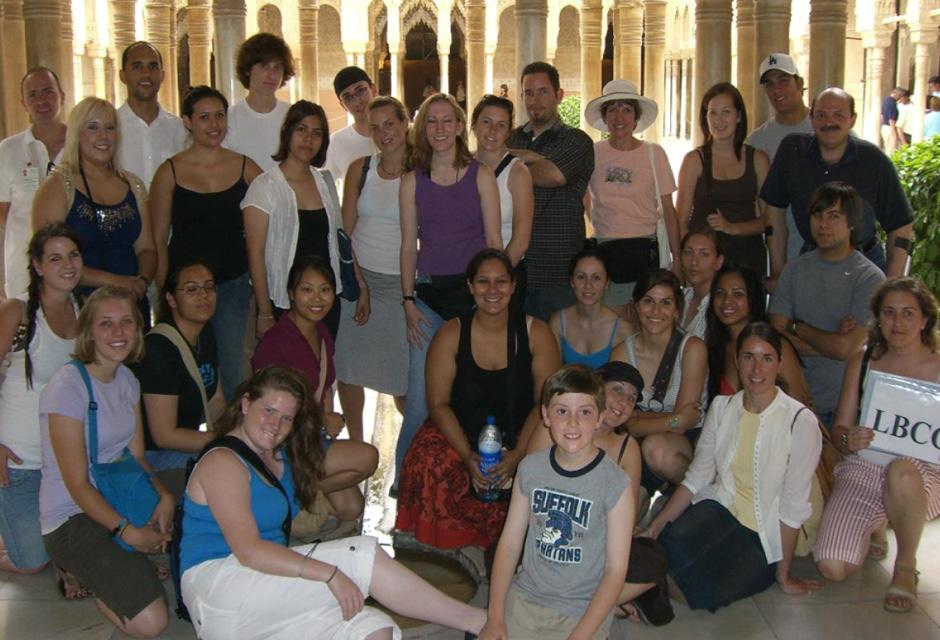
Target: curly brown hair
(302, 445)
(929, 335)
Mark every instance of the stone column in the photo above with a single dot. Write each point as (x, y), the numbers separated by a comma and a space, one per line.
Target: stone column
(923, 37)
(531, 32)
(712, 51)
(43, 22)
(615, 26)
(591, 52)
(827, 20)
(874, 42)
(490, 59)
(67, 75)
(308, 18)
(444, 42)
(685, 96)
(122, 34)
(653, 70)
(159, 18)
(476, 51)
(199, 19)
(13, 29)
(772, 18)
(629, 38)
(747, 84)
(396, 49)
(665, 111)
(229, 30)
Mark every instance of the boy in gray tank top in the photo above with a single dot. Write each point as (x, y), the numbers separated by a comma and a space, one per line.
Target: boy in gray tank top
(572, 511)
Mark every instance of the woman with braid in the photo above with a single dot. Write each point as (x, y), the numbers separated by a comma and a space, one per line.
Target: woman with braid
(36, 337)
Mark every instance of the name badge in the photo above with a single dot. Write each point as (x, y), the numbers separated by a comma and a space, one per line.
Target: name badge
(31, 178)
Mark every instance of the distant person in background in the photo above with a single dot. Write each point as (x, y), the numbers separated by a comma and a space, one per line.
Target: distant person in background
(932, 119)
(891, 137)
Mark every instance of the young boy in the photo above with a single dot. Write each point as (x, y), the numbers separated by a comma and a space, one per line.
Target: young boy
(573, 508)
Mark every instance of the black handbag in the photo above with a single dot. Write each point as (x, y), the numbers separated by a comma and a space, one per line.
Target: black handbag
(448, 296)
(629, 258)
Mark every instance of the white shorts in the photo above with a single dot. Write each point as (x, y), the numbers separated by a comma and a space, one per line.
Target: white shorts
(227, 600)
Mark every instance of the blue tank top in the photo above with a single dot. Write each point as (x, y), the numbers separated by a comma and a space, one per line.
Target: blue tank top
(202, 537)
(593, 360)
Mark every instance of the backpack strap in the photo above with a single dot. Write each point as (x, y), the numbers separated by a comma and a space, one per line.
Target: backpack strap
(866, 362)
(244, 452)
(172, 334)
(504, 163)
(92, 411)
(666, 365)
(365, 171)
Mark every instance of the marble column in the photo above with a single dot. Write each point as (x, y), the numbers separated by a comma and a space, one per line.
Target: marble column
(653, 64)
(67, 75)
(772, 18)
(712, 51)
(685, 96)
(923, 37)
(229, 23)
(615, 27)
(159, 18)
(13, 29)
(591, 53)
(122, 34)
(746, 83)
(396, 49)
(531, 32)
(43, 23)
(665, 109)
(490, 60)
(444, 41)
(827, 23)
(308, 20)
(874, 43)
(629, 39)
(476, 51)
(199, 19)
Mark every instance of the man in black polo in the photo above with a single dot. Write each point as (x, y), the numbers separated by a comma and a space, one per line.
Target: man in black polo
(806, 161)
(561, 160)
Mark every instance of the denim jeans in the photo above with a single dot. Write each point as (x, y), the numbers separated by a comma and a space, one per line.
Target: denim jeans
(19, 518)
(543, 302)
(416, 403)
(230, 323)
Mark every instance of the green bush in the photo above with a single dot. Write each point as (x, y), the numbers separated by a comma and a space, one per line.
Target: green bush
(919, 169)
(570, 111)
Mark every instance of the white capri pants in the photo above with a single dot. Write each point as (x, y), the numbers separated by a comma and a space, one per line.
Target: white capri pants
(227, 600)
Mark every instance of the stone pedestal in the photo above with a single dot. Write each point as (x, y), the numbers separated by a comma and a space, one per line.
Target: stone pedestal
(712, 52)
(531, 32)
(653, 64)
(476, 52)
(13, 29)
(308, 20)
(827, 23)
(229, 16)
(746, 82)
(629, 39)
(591, 53)
(772, 18)
(199, 18)
(43, 24)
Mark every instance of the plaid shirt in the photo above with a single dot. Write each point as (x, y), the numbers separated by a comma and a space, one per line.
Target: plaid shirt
(558, 225)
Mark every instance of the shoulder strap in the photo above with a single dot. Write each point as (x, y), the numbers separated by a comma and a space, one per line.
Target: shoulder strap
(322, 357)
(65, 177)
(244, 164)
(623, 448)
(244, 452)
(613, 332)
(706, 153)
(172, 334)
(866, 362)
(656, 196)
(797, 415)
(173, 170)
(504, 163)
(365, 171)
(92, 412)
(666, 365)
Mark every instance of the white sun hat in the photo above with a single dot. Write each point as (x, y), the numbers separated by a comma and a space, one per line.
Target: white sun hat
(620, 90)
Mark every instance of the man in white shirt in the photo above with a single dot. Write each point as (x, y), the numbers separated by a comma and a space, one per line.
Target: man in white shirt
(24, 163)
(354, 89)
(264, 64)
(149, 135)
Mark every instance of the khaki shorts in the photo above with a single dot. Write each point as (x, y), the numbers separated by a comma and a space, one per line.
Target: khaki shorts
(126, 582)
(527, 620)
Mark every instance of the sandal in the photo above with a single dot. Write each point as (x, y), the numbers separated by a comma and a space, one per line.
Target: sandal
(878, 550)
(907, 597)
(69, 587)
(627, 611)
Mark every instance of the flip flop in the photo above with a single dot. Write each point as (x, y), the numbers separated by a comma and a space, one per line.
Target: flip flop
(627, 611)
(904, 595)
(878, 550)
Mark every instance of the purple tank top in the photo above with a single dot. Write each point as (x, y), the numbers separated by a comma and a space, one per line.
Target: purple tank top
(450, 223)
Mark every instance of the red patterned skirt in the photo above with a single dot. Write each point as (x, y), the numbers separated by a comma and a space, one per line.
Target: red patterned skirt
(436, 500)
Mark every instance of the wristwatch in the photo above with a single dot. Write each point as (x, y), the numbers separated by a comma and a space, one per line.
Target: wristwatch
(673, 422)
(408, 298)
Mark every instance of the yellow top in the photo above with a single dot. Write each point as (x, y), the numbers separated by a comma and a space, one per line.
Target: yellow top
(742, 467)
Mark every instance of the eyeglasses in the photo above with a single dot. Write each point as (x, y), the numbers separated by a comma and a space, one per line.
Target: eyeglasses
(193, 289)
(359, 94)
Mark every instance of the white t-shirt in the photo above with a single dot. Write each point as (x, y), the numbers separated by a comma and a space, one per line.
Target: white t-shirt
(346, 145)
(254, 134)
(142, 147)
(24, 163)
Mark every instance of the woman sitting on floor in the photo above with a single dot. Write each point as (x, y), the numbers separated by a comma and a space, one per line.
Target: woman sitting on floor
(874, 489)
(489, 362)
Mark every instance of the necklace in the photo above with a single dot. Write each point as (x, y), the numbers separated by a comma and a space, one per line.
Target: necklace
(393, 174)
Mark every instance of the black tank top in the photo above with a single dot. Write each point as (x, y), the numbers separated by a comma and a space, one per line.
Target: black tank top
(209, 226)
(313, 238)
(478, 393)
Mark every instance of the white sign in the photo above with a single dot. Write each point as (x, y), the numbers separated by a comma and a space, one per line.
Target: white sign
(905, 415)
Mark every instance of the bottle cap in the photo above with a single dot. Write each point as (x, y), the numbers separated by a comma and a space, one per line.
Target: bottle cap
(490, 420)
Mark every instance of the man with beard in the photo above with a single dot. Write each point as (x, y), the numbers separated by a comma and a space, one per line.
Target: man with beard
(148, 134)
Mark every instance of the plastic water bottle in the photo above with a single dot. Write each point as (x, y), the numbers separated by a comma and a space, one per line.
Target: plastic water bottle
(490, 446)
